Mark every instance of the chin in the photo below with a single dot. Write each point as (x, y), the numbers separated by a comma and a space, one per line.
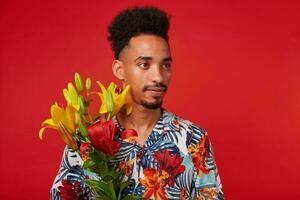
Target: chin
(152, 105)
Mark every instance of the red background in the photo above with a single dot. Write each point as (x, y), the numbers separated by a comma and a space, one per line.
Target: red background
(236, 73)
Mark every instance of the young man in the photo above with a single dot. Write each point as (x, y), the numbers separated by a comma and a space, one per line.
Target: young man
(171, 158)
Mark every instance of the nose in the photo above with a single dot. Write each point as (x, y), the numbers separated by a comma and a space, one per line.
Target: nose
(156, 75)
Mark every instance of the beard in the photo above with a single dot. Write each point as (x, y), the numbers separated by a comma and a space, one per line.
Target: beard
(152, 105)
(158, 100)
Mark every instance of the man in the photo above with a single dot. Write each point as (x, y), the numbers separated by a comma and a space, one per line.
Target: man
(171, 158)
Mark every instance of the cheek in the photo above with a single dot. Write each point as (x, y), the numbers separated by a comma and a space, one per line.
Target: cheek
(167, 77)
(135, 80)
(136, 89)
(132, 72)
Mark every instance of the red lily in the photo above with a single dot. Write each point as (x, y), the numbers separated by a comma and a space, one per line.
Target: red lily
(169, 163)
(70, 191)
(102, 137)
(129, 135)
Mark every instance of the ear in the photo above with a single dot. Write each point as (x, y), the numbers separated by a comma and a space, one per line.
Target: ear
(118, 69)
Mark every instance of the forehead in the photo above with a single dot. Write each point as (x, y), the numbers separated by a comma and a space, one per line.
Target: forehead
(147, 45)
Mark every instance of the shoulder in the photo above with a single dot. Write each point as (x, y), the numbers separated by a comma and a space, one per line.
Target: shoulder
(193, 131)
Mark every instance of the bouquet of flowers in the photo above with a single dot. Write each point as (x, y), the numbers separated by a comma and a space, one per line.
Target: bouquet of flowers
(93, 137)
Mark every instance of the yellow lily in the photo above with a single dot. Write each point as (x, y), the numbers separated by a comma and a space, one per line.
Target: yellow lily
(112, 100)
(71, 96)
(64, 121)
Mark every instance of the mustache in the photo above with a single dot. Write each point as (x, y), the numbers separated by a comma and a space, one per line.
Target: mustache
(157, 85)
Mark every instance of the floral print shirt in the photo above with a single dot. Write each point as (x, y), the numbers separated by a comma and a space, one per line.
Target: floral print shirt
(176, 162)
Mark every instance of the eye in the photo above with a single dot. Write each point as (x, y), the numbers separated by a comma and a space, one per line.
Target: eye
(143, 65)
(167, 65)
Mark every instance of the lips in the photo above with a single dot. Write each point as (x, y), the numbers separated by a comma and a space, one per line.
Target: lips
(156, 91)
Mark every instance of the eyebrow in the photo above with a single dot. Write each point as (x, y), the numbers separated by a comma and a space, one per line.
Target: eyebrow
(147, 58)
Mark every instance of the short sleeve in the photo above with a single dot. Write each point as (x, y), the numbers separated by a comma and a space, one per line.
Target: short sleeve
(69, 174)
(206, 183)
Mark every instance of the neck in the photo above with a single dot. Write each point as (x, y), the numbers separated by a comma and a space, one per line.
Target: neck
(141, 119)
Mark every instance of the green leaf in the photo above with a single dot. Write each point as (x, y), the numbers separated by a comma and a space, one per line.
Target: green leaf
(132, 197)
(101, 167)
(109, 102)
(108, 177)
(88, 164)
(125, 184)
(103, 189)
(116, 174)
(82, 129)
(92, 183)
(81, 104)
(112, 190)
(99, 187)
(95, 156)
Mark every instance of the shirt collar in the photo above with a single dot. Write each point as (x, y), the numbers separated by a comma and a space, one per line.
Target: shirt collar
(157, 127)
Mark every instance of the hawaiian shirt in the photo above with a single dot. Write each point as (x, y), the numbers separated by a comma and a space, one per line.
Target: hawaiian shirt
(176, 162)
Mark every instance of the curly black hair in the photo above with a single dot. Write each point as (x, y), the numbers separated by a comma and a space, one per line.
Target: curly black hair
(136, 21)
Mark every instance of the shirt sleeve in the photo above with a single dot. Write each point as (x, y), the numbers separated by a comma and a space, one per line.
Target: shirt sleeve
(206, 179)
(70, 175)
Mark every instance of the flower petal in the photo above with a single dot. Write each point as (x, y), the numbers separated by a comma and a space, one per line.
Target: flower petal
(66, 136)
(78, 81)
(101, 86)
(41, 132)
(128, 133)
(57, 114)
(88, 83)
(49, 122)
(112, 87)
(69, 122)
(109, 101)
(66, 95)
(128, 109)
(121, 99)
(72, 94)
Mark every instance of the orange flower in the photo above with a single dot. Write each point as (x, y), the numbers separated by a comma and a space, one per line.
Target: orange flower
(126, 167)
(83, 148)
(63, 120)
(199, 152)
(183, 192)
(207, 193)
(154, 182)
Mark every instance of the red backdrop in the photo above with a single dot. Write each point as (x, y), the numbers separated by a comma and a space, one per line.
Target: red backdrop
(236, 73)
